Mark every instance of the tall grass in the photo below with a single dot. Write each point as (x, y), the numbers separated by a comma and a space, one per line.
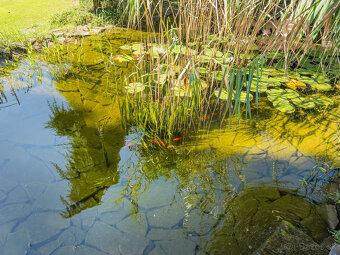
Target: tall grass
(221, 36)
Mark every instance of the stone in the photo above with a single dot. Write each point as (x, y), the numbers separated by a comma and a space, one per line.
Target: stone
(49, 248)
(290, 181)
(18, 195)
(329, 215)
(159, 194)
(131, 244)
(77, 250)
(294, 205)
(43, 226)
(14, 212)
(72, 236)
(135, 226)
(104, 238)
(288, 240)
(335, 250)
(165, 234)
(157, 250)
(34, 190)
(112, 217)
(316, 226)
(199, 222)
(165, 217)
(175, 247)
(302, 163)
(50, 198)
(4, 230)
(16, 243)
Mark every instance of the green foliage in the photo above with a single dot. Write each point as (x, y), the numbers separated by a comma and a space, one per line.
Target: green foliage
(336, 236)
(81, 15)
(74, 16)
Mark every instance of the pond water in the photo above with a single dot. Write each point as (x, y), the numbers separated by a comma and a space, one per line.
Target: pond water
(73, 182)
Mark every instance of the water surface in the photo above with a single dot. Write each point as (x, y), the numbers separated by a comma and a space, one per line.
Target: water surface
(72, 181)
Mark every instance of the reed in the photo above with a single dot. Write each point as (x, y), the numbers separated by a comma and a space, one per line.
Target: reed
(208, 53)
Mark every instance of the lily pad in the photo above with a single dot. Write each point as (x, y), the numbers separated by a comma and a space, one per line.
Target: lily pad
(126, 47)
(138, 52)
(182, 91)
(294, 84)
(282, 78)
(135, 87)
(321, 86)
(277, 94)
(204, 59)
(120, 58)
(202, 70)
(284, 106)
(321, 79)
(225, 95)
(217, 75)
(262, 87)
(321, 99)
(213, 53)
(243, 96)
(138, 47)
(180, 49)
(304, 103)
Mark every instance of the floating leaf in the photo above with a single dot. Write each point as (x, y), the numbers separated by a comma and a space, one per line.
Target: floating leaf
(304, 103)
(120, 58)
(322, 87)
(180, 49)
(303, 71)
(321, 78)
(321, 99)
(284, 106)
(293, 75)
(135, 87)
(204, 59)
(162, 79)
(217, 75)
(224, 94)
(243, 96)
(126, 47)
(294, 84)
(202, 70)
(138, 53)
(282, 78)
(213, 53)
(277, 94)
(138, 47)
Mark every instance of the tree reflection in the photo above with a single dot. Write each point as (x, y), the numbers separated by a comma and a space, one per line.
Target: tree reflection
(91, 159)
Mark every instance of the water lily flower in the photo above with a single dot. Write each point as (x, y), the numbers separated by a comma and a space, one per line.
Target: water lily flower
(266, 32)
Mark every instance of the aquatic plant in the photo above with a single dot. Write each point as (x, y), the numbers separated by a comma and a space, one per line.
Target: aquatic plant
(207, 58)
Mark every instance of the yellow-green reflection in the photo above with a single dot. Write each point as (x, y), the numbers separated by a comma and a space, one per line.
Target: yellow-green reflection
(91, 121)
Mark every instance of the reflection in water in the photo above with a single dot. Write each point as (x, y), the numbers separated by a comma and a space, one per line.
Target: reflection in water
(92, 159)
(224, 192)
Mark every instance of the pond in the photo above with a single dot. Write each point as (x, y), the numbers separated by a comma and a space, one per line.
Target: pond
(73, 181)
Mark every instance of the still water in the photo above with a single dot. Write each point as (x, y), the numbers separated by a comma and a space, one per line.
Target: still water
(72, 181)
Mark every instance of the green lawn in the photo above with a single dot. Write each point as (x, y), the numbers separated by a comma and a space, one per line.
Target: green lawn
(21, 14)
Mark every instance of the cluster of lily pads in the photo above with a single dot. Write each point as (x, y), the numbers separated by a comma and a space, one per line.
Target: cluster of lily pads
(285, 90)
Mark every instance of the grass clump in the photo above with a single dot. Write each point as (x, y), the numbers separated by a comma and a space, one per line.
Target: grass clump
(218, 44)
(81, 15)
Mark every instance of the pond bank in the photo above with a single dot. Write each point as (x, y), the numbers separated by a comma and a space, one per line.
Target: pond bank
(19, 50)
